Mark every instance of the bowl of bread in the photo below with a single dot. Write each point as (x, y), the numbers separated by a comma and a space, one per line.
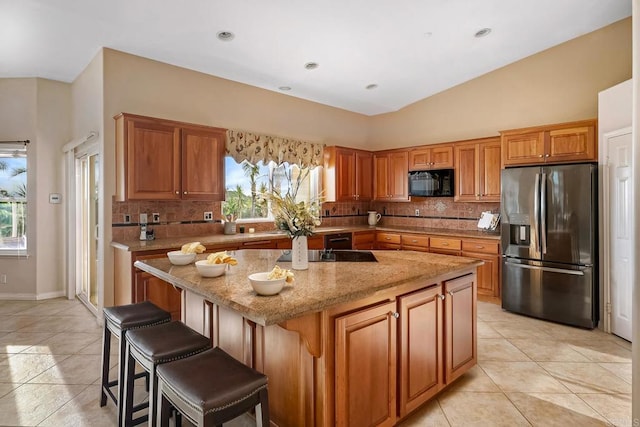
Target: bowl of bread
(186, 254)
(216, 264)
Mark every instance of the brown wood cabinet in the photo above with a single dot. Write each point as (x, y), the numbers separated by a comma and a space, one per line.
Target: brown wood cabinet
(489, 273)
(366, 367)
(445, 245)
(391, 169)
(160, 159)
(161, 293)
(460, 330)
(348, 174)
(364, 240)
(387, 240)
(559, 143)
(421, 328)
(477, 177)
(431, 157)
(415, 242)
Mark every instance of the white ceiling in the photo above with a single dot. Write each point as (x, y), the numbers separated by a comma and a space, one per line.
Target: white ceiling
(410, 48)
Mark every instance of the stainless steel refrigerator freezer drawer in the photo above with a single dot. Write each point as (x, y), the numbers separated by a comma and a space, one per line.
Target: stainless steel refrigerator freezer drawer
(550, 291)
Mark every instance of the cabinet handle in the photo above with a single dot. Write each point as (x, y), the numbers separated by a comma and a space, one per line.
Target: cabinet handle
(450, 293)
(387, 238)
(394, 314)
(479, 247)
(177, 192)
(185, 192)
(547, 155)
(414, 241)
(445, 243)
(441, 297)
(541, 155)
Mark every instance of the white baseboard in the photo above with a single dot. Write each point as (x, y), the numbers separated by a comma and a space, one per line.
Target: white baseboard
(49, 295)
(31, 297)
(16, 296)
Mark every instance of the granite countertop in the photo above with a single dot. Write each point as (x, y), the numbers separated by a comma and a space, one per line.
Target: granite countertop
(323, 285)
(232, 239)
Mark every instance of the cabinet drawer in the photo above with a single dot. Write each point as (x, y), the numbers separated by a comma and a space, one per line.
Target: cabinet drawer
(383, 237)
(481, 246)
(445, 243)
(418, 240)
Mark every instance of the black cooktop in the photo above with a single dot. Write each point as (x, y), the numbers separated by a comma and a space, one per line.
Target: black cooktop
(333, 256)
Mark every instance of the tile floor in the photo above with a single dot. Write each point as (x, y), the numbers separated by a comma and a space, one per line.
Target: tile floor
(530, 372)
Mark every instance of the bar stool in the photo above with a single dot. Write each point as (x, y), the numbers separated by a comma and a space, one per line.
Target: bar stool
(151, 347)
(118, 321)
(211, 388)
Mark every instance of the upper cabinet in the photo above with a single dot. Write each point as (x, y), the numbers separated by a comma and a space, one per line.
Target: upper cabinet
(391, 169)
(433, 157)
(561, 143)
(165, 160)
(348, 174)
(477, 177)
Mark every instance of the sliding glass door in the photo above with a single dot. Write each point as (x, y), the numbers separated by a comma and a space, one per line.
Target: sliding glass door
(87, 204)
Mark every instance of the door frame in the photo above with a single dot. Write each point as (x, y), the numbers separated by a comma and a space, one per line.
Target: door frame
(605, 225)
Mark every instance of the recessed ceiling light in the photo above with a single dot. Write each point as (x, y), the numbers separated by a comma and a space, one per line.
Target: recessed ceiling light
(225, 36)
(483, 32)
(311, 65)
(371, 86)
(428, 34)
(284, 88)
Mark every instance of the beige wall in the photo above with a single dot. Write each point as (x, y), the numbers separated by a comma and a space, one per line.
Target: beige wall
(557, 85)
(37, 110)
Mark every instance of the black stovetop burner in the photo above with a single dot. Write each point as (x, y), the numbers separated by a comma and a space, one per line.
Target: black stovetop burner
(329, 255)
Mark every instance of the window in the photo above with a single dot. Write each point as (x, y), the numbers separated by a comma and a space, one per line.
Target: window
(245, 183)
(13, 199)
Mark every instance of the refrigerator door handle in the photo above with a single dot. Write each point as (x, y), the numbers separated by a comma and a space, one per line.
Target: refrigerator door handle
(536, 211)
(549, 269)
(543, 213)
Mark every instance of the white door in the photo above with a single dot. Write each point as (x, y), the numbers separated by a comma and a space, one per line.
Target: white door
(621, 218)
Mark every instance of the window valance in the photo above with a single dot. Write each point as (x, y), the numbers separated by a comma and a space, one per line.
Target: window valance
(254, 147)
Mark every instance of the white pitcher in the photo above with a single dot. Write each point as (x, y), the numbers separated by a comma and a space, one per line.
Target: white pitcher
(374, 217)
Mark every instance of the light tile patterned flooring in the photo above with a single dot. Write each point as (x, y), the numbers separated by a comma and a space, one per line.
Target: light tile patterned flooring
(530, 372)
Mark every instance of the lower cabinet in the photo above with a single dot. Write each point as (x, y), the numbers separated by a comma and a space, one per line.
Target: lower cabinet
(394, 356)
(489, 273)
(161, 293)
(364, 240)
(366, 367)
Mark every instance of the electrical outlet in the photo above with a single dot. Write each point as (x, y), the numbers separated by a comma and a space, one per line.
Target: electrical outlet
(127, 219)
(417, 212)
(156, 217)
(208, 216)
(3, 279)
(143, 218)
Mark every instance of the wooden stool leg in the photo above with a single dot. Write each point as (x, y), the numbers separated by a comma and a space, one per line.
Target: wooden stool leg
(263, 415)
(106, 353)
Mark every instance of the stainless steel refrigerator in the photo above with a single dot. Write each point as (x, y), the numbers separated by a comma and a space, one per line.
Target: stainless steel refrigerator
(549, 243)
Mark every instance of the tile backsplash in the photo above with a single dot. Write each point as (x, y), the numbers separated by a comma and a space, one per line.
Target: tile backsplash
(186, 218)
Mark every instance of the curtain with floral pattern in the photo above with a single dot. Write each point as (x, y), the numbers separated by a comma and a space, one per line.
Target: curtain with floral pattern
(254, 147)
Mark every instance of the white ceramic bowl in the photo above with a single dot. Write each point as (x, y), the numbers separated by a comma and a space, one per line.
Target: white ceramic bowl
(210, 270)
(264, 286)
(180, 258)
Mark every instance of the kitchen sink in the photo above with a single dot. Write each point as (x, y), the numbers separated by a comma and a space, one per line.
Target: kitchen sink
(333, 256)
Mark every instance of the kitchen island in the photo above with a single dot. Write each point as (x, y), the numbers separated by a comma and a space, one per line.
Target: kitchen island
(347, 343)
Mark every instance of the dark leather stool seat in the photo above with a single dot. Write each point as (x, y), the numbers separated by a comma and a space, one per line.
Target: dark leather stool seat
(211, 388)
(118, 320)
(151, 347)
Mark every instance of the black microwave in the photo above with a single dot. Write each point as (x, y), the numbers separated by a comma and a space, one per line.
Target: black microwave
(432, 183)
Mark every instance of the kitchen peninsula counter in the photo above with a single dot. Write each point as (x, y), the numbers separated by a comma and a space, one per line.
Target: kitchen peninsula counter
(394, 333)
(323, 285)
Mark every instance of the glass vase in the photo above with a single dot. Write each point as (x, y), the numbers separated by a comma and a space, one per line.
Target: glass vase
(299, 253)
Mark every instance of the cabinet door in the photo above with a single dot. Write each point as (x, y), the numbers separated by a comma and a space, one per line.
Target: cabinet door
(419, 159)
(202, 164)
(421, 336)
(363, 176)
(415, 242)
(460, 332)
(398, 176)
(523, 149)
(488, 274)
(366, 367)
(466, 179)
(345, 175)
(153, 160)
(364, 240)
(381, 177)
(159, 292)
(572, 144)
(489, 171)
(442, 157)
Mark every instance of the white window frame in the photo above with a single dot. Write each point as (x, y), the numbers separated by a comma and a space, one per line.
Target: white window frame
(9, 150)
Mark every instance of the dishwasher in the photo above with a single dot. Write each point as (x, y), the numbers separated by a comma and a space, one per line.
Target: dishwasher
(337, 241)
